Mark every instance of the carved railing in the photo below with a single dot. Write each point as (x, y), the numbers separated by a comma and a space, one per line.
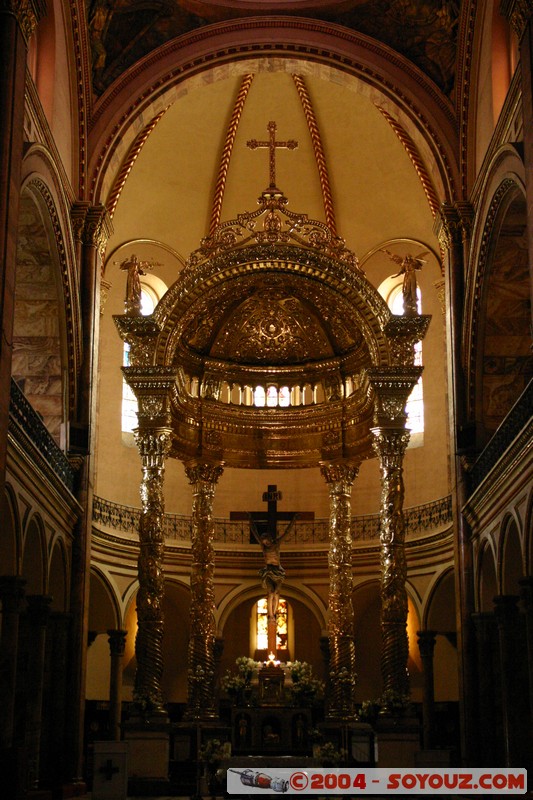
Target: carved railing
(26, 424)
(177, 527)
(515, 422)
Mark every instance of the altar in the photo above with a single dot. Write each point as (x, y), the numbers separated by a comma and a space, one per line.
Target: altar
(271, 730)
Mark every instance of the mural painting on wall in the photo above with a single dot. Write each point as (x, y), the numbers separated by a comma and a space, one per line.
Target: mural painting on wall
(123, 31)
(507, 361)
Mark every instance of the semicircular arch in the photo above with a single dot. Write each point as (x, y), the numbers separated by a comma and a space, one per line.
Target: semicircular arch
(394, 84)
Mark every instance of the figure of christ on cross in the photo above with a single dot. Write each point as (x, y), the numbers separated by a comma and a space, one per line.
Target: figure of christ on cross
(264, 529)
(290, 144)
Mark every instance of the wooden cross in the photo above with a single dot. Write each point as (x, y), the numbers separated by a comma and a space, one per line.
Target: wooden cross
(290, 144)
(267, 521)
(109, 770)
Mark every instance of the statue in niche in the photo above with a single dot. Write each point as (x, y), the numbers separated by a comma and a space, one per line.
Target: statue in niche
(408, 266)
(135, 269)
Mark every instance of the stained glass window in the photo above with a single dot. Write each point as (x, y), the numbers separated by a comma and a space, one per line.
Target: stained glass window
(262, 624)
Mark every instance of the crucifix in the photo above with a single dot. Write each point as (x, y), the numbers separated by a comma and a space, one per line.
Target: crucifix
(272, 144)
(109, 769)
(264, 529)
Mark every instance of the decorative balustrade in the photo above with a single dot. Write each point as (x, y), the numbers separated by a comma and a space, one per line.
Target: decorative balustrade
(24, 421)
(177, 527)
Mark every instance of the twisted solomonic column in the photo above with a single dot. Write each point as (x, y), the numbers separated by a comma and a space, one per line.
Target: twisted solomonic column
(201, 671)
(154, 445)
(342, 677)
(390, 447)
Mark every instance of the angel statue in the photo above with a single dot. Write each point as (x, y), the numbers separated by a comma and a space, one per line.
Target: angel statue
(408, 266)
(135, 269)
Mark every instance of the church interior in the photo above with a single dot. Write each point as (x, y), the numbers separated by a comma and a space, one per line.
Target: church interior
(266, 455)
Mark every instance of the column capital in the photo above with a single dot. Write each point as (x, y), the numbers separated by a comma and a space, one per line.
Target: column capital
(339, 472)
(453, 224)
(203, 471)
(27, 12)
(517, 13)
(153, 443)
(392, 387)
(426, 643)
(390, 443)
(152, 387)
(117, 641)
(98, 227)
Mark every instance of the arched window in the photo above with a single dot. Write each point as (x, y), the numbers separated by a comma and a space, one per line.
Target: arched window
(129, 401)
(272, 396)
(262, 624)
(415, 403)
(259, 396)
(284, 396)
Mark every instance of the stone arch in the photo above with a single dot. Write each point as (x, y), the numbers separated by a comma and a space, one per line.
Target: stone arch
(487, 578)
(303, 46)
(499, 309)
(40, 346)
(104, 609)
(34, 557)
(42, 186)
(58, 577)
(439, 616)
(104, 615)
(305, 628)
(511, 563)
(11, 535)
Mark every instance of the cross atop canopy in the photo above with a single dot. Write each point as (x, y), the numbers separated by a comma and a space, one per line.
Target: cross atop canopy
(272, 144)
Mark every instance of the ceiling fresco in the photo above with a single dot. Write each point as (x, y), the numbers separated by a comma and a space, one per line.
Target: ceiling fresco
(424, 31)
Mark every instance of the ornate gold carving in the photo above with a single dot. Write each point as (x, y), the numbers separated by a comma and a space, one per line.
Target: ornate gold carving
(152, 387)
(272, 327)
(98, 227)
(140, 333)
(390, 447)
(272, 145)
(280, 226)
(391, 388)
(453, 224)
(342, 677)
(403, 333)
(27, 12)
(517, 13)
(154, 446)
(203, 476)
(78, 215)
